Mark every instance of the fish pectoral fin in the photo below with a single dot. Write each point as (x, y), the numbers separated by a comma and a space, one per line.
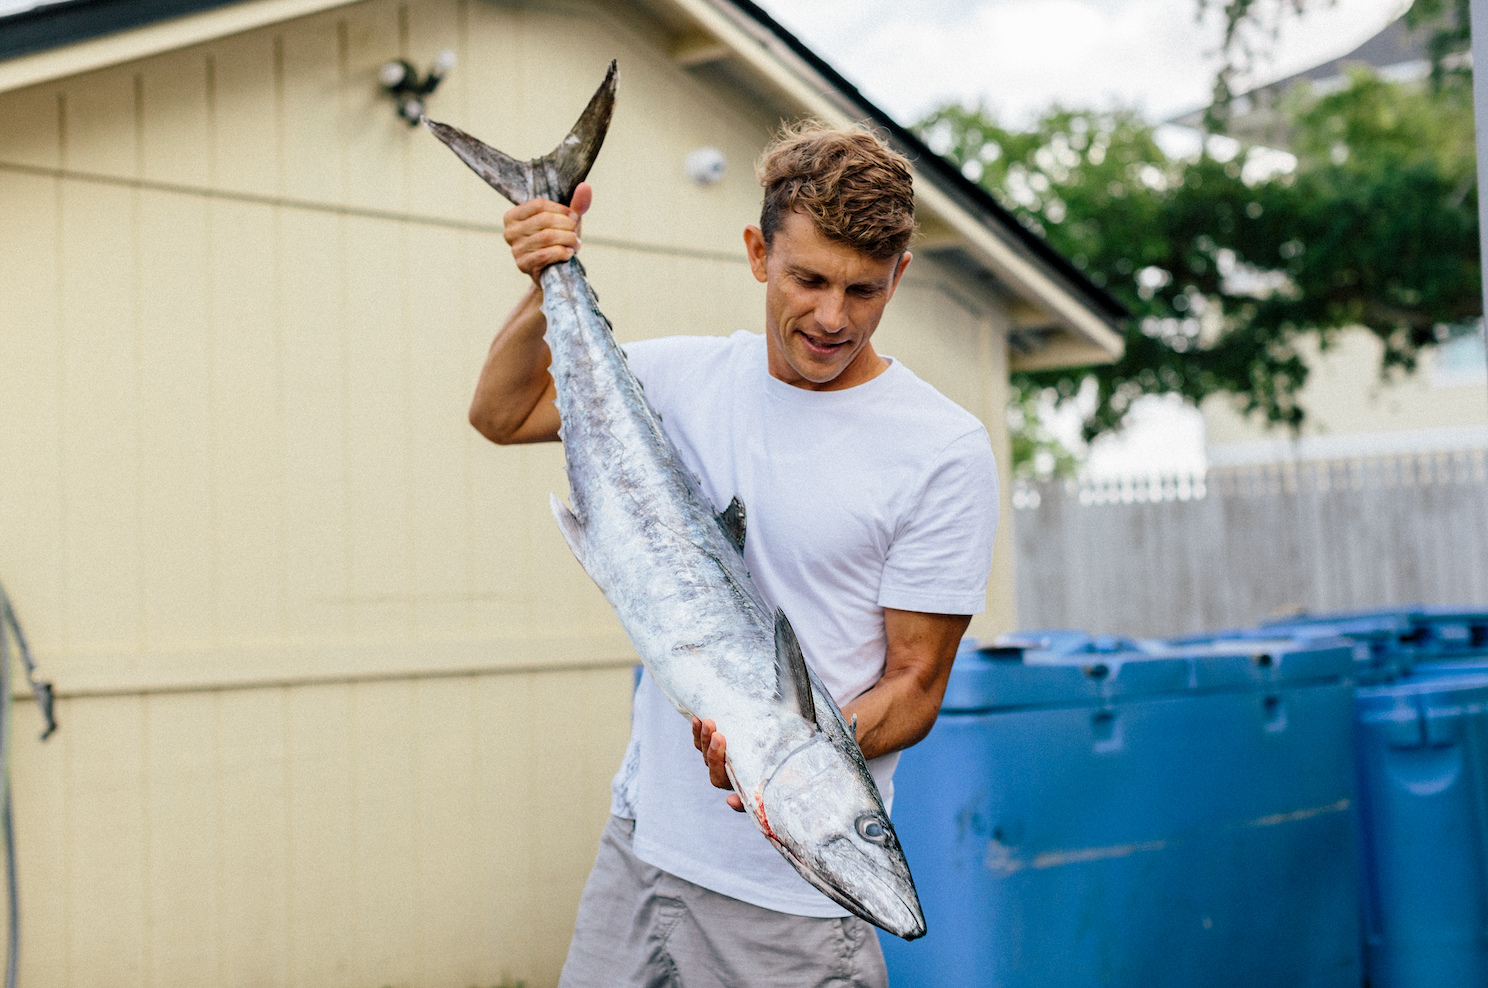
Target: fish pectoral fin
(790, 666)
(573, 532)
(732, 520)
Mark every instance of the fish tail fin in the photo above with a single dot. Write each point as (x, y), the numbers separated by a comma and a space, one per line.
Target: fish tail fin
(553, 176)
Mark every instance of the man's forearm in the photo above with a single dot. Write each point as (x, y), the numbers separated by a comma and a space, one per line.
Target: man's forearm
(895, 713)
(514, 379)
(901, 707)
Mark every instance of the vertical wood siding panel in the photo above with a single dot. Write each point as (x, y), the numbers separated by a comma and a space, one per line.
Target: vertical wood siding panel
(377, 404)
(316, 529)
(451, 901)
(31, 384)
(430, 183)
(309, 109)
(558, 811)
(510, 783)
(495, 543)
(323, 825)
(181, 923)
(374, 140)
(102, 128)
(255, 881)
(384, 751)
(438, 373)
(32, 127)
(243, 113)
(177, 140)
(100, 468)
(108, 831)
(247, 416)
(175, 401)
(489, 96)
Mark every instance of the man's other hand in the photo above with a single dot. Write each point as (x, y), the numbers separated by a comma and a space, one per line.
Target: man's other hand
(707, 739)
(542, 232)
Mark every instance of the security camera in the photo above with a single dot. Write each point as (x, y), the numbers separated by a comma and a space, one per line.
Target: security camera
(705, 165)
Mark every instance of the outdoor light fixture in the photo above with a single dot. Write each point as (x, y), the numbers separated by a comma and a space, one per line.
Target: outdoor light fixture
(705, 165)
(401, 81)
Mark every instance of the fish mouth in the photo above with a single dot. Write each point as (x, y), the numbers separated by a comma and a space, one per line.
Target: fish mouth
(888, 900)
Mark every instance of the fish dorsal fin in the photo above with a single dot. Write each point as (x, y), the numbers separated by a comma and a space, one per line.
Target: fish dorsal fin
(790, 665)
(553, 176)
(732, 521)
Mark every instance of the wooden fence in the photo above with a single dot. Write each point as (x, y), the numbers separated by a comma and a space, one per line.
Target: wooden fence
(1166, 555)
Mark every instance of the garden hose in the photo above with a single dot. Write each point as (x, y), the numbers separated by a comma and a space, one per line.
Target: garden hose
(10, 629)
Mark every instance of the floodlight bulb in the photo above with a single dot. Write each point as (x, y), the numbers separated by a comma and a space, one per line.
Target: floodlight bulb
(392, 73)
(443, 62)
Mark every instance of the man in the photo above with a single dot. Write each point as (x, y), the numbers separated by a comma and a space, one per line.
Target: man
(871, 502)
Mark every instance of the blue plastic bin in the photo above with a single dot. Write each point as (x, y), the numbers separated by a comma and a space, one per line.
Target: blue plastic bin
(1424, 805)
(1390, 640)
(1174, 821)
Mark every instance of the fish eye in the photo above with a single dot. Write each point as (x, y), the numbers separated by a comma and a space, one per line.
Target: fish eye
(870, 829)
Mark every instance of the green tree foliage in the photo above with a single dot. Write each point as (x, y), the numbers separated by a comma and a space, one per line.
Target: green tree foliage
(1226, 263)
(1248, 28)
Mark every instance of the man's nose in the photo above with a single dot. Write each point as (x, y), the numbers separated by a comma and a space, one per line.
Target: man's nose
(831, 312)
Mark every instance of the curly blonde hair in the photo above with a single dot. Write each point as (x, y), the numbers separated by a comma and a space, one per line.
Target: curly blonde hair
(854, 187)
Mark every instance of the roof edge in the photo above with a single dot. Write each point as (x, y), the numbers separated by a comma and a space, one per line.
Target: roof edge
(95, 34)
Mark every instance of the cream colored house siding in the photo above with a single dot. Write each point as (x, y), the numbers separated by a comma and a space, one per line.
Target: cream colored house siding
(1351, 412)
(339, 707)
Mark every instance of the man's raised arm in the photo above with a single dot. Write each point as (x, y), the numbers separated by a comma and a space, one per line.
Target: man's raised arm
(513, 400)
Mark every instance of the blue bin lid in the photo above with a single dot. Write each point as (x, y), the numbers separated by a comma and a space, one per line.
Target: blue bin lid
(1260, 663)
(1005, 675)
(1388, 641)
(1414, 627)
(1450, 665)
(1425, 710)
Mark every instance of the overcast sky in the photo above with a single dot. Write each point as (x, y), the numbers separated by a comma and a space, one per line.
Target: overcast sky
(1021, 55)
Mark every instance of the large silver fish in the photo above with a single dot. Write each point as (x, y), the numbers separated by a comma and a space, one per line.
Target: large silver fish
(673, 570)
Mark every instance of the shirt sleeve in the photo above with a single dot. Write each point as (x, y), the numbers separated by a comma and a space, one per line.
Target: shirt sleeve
(941, 556)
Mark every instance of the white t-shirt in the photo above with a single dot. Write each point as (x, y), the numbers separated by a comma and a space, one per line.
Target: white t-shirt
(880, 495)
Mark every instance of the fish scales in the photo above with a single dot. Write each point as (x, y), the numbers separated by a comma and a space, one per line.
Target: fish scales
(680, 583)
(673, 570)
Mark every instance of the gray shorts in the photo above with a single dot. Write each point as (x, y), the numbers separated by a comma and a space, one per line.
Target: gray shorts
(641, 927)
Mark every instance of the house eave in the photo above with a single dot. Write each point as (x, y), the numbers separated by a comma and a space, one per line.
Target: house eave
(87, 35)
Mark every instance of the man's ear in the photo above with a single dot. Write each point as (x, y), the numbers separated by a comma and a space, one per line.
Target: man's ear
(754, 246)
(904, 260)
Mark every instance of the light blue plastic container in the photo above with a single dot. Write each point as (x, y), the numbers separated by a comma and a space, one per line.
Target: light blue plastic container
(1424, 802)
(1390, 641)
(1173, 821)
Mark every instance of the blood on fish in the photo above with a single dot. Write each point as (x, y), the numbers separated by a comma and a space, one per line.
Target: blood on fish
(759, 814)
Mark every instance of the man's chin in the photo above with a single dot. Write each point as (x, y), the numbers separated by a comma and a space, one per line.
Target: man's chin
(822, 368)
